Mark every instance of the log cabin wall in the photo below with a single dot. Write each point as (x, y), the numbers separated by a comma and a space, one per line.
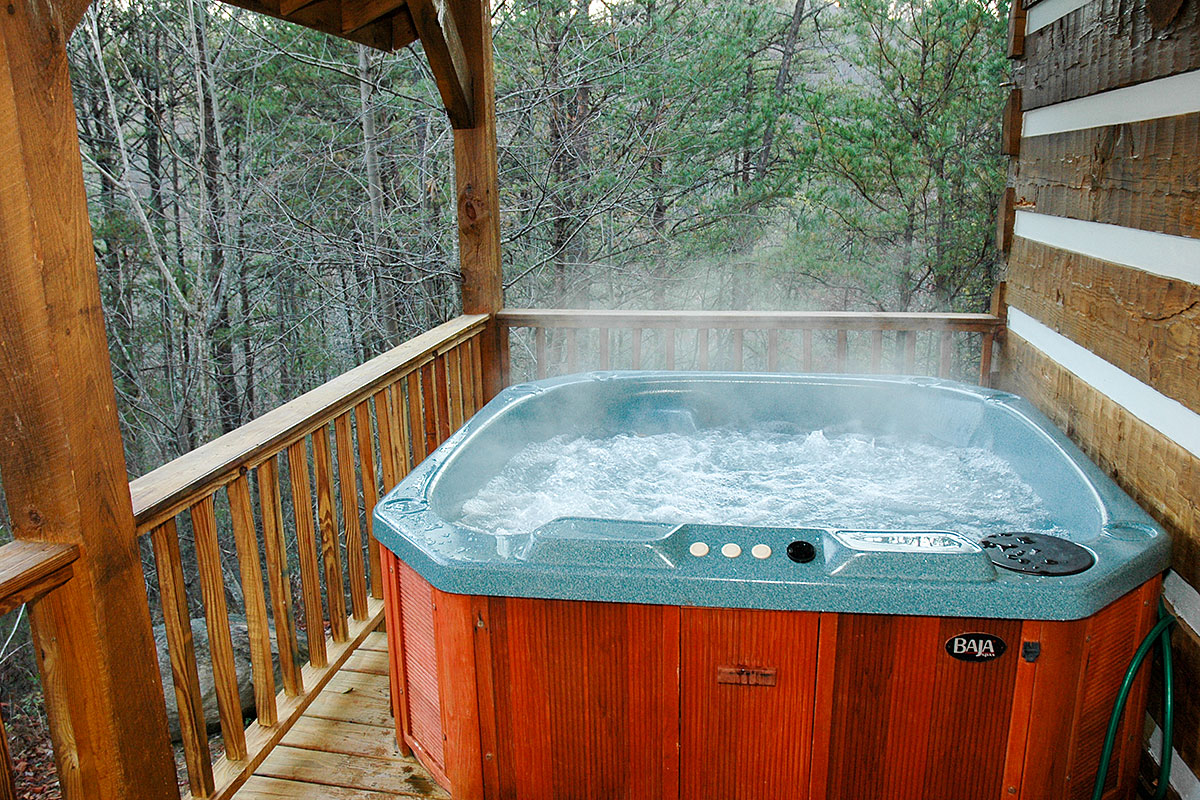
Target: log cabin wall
(1101, 222)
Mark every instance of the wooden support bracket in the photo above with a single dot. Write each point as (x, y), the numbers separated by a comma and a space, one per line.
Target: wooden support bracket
(435, 24)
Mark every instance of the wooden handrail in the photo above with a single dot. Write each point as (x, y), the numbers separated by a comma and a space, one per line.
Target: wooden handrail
(747, 320)
(29, 570)
(164, 492)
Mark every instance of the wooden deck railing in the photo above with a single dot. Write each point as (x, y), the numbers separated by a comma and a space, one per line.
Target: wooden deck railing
(544, 342)
(401, 405)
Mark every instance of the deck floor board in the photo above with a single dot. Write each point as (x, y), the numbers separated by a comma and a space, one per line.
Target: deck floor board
(344, 746)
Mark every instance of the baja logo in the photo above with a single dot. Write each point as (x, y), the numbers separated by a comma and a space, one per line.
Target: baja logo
(975, 647)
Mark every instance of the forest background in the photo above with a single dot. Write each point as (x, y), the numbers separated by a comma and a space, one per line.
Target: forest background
(272, 206)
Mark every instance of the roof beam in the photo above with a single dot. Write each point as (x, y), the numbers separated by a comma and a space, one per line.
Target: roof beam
(435, 25)
(358, 13)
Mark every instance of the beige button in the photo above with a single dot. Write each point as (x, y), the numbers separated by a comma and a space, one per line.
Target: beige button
(731, 550)
(699, 549)
(761, 551)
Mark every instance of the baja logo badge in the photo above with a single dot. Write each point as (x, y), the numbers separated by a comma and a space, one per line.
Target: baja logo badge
(975, 647)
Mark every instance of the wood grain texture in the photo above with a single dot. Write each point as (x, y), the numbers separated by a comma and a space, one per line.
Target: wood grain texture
(327, 524)
(61, 455)
(584, 699)
(356, 569)
(1143, 324)
(1159, 474)
(29, 570)
(8, 782)
(306, 551)
(455, 627)
(1138, 175)
(255, 600)
(1185, 645)
(216, 619)
(185, 676)
(370, 488)
(730, 742)
(1016, 30)
(354, 772)
(1105, 44)
(1010, 132)
(896, 692)
(279, 578)
(437, 25)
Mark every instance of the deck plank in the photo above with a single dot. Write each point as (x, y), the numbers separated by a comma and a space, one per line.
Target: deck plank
(263, 788)
(404, 778)
(375, 641)
(354, 697)
(349, 738)
(372, 662)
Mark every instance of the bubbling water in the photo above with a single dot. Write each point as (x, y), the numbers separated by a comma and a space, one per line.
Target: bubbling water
(769, 474)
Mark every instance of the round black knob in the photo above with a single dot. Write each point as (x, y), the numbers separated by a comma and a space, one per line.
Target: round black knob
(801, 551)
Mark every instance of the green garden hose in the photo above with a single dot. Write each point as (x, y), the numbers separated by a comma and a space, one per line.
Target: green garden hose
(1162, 634)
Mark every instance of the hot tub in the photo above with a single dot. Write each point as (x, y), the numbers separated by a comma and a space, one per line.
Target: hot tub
(710, 585)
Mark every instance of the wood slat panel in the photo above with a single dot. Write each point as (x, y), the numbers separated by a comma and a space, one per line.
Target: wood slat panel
(356, 569)
(279, 577)
(216, 618)
(306, 547)
(896, 691)
(184, 674)
(245, 536)
(331, 551)
(1139, 175)
(175, 486)
(370, 487)
(722, 747)
(1105, 44)
(1159, 474)
(1143, 324)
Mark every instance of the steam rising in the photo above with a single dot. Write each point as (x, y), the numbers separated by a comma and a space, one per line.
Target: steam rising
(766, 474)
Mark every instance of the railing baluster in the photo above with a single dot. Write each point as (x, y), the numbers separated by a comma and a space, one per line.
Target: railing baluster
(467, 380)
(910, 352)
(279, 577)
(808, 349)
(773, 350)
(184, 674)
(429, 403)
(245, 536)
(605, 358)
(416, 423)
(216, 616)
(331, 551)
(985, 359)
(477, 369)
(636, 346)
(370, 488)
(454, 388)
(702, 349)
(8, 782)
(669, 347)
(539, 341)
(876, 351)
(401, 430)
(842, 350)
(946, 353)
(387, 423)
(572, 350)
(739, 349)
(306, 547)
(348, 484)
(441, 395)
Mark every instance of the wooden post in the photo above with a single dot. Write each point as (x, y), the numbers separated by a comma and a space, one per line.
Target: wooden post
(478, 189)
(60, 446)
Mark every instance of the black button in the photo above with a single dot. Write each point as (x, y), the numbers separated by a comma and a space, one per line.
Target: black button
(801, 551)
